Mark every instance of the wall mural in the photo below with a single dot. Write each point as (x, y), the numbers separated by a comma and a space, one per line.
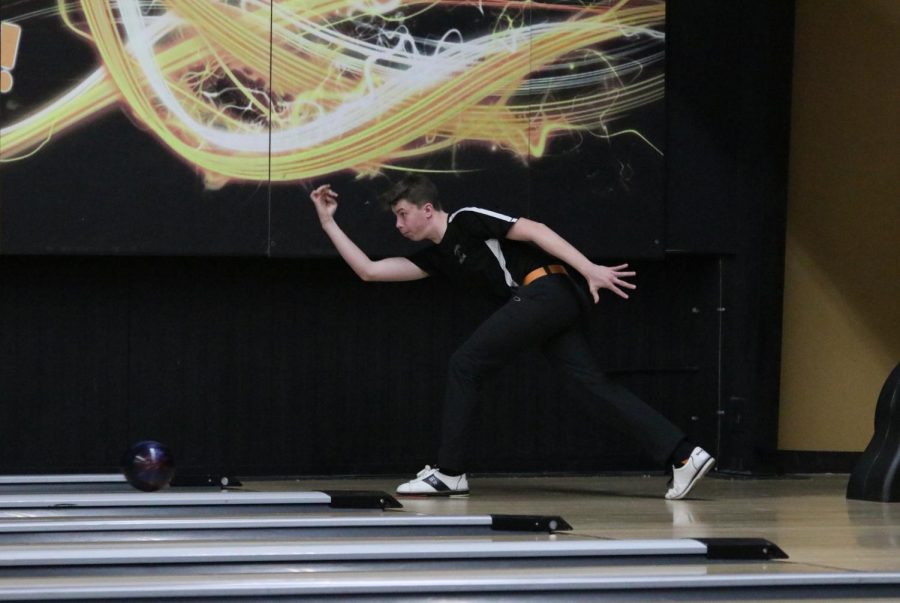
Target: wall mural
(111, 106)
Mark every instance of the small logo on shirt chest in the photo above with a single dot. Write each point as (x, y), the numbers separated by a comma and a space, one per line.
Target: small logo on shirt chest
(459, 253)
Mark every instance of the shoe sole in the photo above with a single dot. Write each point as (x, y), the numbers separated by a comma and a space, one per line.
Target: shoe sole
(709, 464)
(454, 494)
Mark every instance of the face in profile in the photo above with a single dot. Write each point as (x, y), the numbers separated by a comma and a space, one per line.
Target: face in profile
(412, 221)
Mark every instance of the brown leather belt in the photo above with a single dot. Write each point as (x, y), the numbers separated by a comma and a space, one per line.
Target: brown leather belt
(543, 271)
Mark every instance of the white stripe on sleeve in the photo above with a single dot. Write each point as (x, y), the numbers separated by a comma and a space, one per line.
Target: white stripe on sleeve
(486, 212)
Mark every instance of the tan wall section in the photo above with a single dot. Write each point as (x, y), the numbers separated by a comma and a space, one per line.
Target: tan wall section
(842, 264)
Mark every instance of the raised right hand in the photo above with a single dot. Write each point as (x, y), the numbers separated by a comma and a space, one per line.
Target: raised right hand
(325, 201)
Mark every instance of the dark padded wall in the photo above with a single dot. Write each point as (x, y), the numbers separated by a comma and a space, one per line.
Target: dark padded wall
(287, 367)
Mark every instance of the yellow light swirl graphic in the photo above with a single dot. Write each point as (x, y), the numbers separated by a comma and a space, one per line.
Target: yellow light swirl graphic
(289, 90)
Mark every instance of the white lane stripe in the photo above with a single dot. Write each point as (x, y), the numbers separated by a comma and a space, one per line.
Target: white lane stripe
(554, 580)
(67, 478)
(158, 499)
(109, 524)
(136, 552)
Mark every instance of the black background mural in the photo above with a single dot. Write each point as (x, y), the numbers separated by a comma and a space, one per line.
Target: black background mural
(99, 175)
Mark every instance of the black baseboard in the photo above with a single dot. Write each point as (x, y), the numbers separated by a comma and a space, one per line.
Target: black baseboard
(816, 461)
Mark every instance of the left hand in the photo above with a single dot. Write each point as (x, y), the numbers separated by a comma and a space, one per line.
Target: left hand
(609, 277)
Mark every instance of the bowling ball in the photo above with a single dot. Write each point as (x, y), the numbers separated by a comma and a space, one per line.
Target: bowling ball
(148, 466)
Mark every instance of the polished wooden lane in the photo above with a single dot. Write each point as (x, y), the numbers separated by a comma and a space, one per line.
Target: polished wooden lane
(808, 516)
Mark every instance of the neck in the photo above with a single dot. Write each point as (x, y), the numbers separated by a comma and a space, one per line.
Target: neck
(439, 227)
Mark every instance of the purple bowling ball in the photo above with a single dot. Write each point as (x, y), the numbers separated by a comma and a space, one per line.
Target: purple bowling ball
(148, 466)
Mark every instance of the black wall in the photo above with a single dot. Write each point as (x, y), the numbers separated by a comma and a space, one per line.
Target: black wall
(275, 366)
(284, 367)
(728, 95)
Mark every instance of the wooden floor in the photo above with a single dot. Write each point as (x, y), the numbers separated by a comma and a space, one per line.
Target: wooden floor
(809, 517)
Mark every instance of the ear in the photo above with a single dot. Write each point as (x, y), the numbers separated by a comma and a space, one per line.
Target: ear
(428, 208)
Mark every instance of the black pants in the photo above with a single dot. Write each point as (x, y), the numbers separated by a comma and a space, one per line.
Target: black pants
(545, 313)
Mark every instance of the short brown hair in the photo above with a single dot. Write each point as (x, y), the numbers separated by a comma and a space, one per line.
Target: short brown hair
(415, 188)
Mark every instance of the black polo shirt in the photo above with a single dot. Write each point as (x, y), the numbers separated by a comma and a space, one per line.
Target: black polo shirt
(475, 253)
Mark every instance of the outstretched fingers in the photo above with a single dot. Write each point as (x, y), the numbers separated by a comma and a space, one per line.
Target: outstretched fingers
(620, 270)
(612, 287)
(613, 278)
(617, 276)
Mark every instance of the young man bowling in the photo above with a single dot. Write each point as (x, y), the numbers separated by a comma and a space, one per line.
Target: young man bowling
(545, 283)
